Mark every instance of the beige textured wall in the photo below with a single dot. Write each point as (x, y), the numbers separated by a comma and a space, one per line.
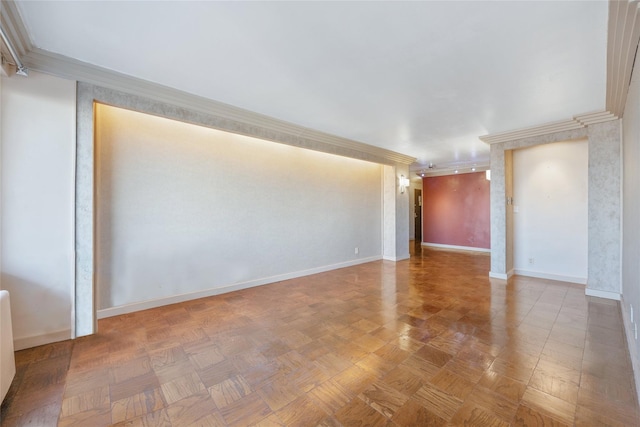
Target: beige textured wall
(183, 209)
(605, 208)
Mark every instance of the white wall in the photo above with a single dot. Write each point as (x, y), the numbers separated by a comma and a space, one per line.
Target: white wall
(38, 140)
(550, 210)
(631, 221)
(184, 209)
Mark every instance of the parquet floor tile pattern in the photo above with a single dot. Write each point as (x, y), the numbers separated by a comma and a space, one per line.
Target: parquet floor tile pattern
(426, 341)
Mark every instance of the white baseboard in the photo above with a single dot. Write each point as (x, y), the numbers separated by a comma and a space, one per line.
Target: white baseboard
(602, 294)
(173, 299)
(633, 353)
(36, 340)
(395, 259)
(459, 248)
(501, 276)
(559, 277)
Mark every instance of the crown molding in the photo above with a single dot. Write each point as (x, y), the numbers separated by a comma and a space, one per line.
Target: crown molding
(577, 122)
(14, 30)
(622, 43)
(597, 117)
(623, 34)
(287, 133)
(531, 131)
(13, 25)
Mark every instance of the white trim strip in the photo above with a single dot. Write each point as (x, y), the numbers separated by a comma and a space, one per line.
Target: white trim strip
(577, 122)
(602, 294)
(549, 276)
(174, 299)
(36, 340)
(501, 276)
(396, 259)
(460, 248)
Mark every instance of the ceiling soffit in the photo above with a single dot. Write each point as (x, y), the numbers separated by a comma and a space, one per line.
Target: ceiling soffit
(233, 119)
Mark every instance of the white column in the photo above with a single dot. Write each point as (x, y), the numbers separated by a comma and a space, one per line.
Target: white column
(395, 228)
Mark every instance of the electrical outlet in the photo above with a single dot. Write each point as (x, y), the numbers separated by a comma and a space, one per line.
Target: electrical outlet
(357, 250)
(532, 261)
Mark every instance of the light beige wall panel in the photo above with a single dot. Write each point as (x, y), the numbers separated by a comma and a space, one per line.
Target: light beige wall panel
(38, 143)
(183, 209)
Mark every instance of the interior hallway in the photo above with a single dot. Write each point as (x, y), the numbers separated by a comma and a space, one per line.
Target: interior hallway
(427, 341)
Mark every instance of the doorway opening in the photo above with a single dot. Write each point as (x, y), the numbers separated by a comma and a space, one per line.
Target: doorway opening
(417, 214)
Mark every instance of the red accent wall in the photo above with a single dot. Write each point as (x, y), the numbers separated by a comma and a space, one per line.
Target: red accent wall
(455, 210)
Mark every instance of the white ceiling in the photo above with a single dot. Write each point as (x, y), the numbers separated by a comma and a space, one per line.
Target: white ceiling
(424, 79)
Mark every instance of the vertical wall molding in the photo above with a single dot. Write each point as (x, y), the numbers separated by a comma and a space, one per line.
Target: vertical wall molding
(84, 296)
(498, 213)
(604, 207)
(389, 181)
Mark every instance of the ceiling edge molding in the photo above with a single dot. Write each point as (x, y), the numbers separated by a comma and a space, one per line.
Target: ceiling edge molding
(14, 27)
(577, 122)
(592, 118)
(622, 42)
(59, 65)
(531, 131)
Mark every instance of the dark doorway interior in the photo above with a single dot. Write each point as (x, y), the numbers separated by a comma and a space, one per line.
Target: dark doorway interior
(417, 214)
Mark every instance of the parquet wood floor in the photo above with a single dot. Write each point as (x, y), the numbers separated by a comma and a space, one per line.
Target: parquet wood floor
(427, 341)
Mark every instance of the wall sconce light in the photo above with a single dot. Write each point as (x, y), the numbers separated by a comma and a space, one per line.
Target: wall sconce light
(404, 183)
(487, 174)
